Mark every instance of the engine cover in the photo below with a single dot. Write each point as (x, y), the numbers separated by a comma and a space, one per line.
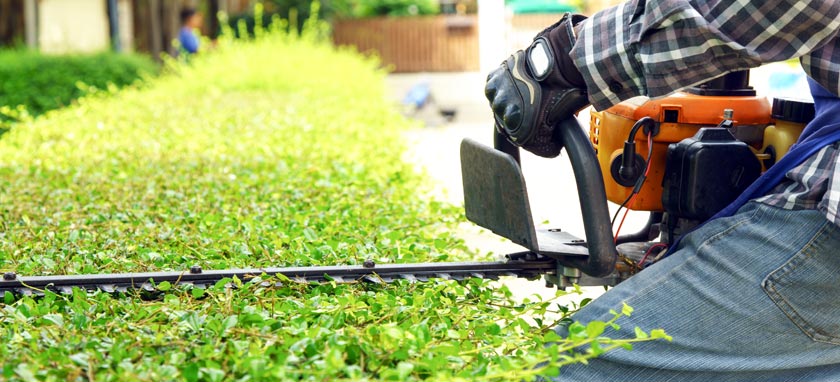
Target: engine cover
(705, 173)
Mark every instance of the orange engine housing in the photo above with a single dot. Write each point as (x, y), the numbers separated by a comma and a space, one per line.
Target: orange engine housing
(678, 116)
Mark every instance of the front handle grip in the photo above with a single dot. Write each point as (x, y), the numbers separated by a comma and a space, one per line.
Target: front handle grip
(593, 202)
(593, 197)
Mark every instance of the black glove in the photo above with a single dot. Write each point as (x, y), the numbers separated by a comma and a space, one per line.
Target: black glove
(534, 90)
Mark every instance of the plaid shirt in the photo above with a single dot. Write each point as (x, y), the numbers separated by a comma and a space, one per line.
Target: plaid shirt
(656, 47)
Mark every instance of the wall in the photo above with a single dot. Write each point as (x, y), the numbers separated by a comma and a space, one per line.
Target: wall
(72, 26)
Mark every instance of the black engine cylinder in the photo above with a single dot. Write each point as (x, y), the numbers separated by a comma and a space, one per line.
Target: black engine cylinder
(705, 173)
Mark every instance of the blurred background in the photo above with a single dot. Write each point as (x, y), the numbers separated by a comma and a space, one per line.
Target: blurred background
(409, 35)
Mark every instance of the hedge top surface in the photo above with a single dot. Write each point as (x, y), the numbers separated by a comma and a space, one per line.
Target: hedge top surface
(269, 153)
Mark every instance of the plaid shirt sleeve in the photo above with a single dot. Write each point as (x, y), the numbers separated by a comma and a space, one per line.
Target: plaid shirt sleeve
(655, 47)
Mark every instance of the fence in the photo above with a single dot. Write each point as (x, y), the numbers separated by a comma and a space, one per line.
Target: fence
(415, 44)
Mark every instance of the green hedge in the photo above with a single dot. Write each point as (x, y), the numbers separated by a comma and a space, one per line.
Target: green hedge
(277, 152)
(46, 82)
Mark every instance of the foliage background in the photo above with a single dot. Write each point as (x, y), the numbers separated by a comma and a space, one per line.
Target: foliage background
(298, 11)
(45, 82)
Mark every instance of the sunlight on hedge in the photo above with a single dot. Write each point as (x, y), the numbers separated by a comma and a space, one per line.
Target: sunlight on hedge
(272, 152)
(266, 153)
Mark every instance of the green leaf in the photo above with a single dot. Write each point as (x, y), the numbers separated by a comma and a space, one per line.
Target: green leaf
(404, 369)
(25, 373)
(81, 359)
(626, 309)
(190, 372)
(164, 286)
(577, 329)
(197, 292)
(595, 349)
(212, 374)
(335, 359)
(595, 328)
(230, 322)
(55, 319)
(641, 333)
(309, 234)
(660, 334)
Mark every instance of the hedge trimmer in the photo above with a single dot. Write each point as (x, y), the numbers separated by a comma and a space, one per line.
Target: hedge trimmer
(703, 147)
(487, 173)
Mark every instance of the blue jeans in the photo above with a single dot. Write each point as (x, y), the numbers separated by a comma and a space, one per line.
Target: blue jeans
(751, 297)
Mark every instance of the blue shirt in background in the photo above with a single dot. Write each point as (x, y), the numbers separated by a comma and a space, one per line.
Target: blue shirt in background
(188, 40)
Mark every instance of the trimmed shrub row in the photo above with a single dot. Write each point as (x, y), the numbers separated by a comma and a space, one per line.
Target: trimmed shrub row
(44, 82)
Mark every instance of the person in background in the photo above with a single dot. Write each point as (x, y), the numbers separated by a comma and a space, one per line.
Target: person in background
(188, 36)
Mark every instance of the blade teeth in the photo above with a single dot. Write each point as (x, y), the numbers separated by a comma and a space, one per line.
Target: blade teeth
(339, 279)
(409, 277)
(148, 287)
(65, 289)
(301, 279)
(108, 288)
(374, 279)
(445, 276)
(479, 275)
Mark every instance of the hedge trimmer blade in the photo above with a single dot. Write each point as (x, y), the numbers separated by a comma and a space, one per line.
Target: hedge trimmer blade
(525, 265)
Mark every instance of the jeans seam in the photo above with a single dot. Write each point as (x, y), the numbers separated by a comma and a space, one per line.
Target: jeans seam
(769, 287)
(726, 231)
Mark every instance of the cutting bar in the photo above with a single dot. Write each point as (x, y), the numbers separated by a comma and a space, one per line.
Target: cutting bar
(527, 266)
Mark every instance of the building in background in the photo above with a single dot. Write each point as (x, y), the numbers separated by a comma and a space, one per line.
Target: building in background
(61, 26)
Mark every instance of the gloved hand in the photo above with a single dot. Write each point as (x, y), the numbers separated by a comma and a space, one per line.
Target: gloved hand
(534, 90)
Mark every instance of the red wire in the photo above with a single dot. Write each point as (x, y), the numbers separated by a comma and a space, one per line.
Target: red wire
(650, 145)
(649, 251)
(626, 210)
(633, 197)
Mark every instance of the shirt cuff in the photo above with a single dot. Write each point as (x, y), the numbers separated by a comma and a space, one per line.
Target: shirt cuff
(610, 66)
